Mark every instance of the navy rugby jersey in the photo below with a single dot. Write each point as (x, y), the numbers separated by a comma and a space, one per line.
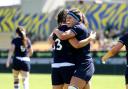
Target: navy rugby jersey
(62, 51)
(124, 40)
(20, 51)
(81, 54)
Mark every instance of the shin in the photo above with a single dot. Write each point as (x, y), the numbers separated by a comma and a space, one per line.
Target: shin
(16, 79)
(25, 79)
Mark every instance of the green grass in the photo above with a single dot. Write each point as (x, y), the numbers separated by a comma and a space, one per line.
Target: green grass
(108, 82)
(42, 81)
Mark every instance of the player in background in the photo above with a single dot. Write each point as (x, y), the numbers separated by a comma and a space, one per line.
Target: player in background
(115, 49)
(84, 65)
(21, 51)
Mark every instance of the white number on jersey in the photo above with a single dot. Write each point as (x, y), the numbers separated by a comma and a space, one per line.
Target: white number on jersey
(22, 48)
(58, 45)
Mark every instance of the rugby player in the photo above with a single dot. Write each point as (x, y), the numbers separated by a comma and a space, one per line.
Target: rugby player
(21, 50)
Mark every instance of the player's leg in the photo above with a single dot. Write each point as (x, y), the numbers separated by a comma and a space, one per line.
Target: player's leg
(67, 73)
(57, 87)
(65, 86)
(77, 83)
(25, 79)
(25, 69)
(16, 79)
(82, 75)
(57, 81)
(88, 85)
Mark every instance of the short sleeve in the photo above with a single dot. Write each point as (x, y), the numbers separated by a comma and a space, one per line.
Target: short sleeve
(63, 28)
(123, 39)
(13, 41)
(77, 30)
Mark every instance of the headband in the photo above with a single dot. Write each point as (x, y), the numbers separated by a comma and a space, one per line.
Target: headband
(74, 15)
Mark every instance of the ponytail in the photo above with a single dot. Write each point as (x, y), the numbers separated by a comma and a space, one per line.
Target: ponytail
(24, 39)
(22, 34)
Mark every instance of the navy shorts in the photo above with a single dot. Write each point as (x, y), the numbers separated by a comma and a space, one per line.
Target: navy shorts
(62, 75)
(126, 75)
(85, 70)
(21, 65)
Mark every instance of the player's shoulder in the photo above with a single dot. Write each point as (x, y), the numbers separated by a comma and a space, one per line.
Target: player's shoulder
(15, 38)
(63, 27)
(125, 35)
(80, 26)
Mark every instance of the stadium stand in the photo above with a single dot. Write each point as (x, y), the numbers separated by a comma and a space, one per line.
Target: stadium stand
(5, 38)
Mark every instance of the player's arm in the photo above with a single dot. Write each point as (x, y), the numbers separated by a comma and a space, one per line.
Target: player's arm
(64, 35)
(79, 44)
(112, 52)
(10, 53)
(50, 38)
(30, 49)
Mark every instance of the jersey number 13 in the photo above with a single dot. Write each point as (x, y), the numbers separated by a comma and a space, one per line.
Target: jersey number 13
(57, 45)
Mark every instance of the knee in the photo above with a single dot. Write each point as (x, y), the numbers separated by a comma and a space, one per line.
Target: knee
(25, 79)
(72, 87)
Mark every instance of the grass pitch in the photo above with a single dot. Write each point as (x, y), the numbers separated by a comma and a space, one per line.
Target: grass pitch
(43, 81)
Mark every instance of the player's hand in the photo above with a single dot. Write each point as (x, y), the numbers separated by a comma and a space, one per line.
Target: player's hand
(7, 63)
(55, 30)
(103, 59)
(92, 35)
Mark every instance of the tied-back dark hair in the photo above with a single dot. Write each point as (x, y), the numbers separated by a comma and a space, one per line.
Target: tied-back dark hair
(61, 18)
(21, 32)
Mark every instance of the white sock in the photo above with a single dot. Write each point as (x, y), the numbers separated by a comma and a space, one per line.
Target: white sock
(26, 83)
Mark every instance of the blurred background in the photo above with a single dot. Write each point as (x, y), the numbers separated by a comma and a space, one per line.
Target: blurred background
(109, 18)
